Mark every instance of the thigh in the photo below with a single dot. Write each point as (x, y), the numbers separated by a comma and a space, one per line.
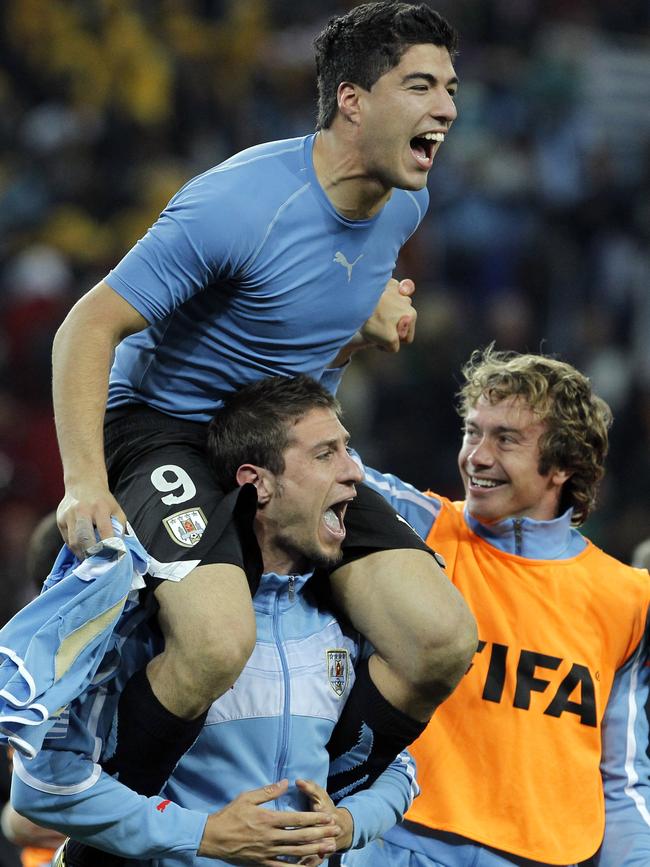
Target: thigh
(390, 585)
(398, 597)
(208, 615)
(395, 599)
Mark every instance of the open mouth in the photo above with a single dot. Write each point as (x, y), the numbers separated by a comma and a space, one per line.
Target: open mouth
(422, 146)
(333, 518)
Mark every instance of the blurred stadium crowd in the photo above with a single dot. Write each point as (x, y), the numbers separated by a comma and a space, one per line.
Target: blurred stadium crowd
(537, 237)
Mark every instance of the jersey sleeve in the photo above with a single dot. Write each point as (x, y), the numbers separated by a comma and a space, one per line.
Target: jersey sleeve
(202, 236)
(331, 377)
(420, 510)
(375, 810)
(67, 791)
(626, 764)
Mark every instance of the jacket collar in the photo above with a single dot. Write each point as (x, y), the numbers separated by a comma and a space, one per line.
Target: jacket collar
(526, 537)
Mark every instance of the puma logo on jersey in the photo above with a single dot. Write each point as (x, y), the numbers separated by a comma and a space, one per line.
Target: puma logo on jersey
(341, 260)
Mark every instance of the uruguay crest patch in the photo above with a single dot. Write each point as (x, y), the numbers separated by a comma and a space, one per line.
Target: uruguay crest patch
(338, 669)
(186, 528)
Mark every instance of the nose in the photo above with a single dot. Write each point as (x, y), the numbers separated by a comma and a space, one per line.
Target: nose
(481, 454)
(351, 471)
(444, 111)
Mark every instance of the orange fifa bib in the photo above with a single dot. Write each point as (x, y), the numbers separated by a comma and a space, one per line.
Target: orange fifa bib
(511, 759)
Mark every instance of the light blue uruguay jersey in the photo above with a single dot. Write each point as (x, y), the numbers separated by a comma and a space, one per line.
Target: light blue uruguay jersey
(250, 272)
(275, 722)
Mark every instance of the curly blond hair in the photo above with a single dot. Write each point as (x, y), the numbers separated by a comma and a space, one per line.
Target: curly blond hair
(577, 421)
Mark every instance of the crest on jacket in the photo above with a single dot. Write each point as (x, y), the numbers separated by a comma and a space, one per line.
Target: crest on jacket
(338, 669)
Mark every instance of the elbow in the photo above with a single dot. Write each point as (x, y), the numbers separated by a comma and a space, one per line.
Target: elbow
(23, 802)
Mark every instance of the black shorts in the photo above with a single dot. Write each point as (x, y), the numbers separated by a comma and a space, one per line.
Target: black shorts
(160, 475)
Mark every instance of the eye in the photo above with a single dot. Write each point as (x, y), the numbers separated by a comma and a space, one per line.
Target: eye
(452, 93)
(324, 456)
(420, 87)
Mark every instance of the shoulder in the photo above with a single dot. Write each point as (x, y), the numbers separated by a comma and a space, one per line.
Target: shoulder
(624, 575)
(264, 170)
(453, 508)
(620, 590)
(248, 190)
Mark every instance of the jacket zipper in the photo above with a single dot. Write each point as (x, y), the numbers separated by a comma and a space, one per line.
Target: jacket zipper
(286, 722)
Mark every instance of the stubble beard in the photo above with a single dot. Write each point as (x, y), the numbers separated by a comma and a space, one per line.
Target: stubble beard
(311, 554)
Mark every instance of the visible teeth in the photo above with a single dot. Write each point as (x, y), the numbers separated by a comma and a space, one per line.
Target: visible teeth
(434, 136)
(484, 483)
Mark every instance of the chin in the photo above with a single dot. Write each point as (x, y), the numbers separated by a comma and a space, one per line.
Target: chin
(481, 514)
(413, 182)
(326, 559)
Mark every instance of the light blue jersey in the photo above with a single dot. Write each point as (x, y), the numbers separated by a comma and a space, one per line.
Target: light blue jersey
(250, 272)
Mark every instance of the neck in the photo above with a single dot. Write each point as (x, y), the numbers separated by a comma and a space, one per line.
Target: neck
(283, 563)
(276, 558)
(341, 174)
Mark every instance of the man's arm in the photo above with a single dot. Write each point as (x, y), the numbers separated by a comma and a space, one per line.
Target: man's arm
(78, 799)
(418, 508)
(375, 810)
(625, 765)
(68, 792)
(21, 832)
(81, 361)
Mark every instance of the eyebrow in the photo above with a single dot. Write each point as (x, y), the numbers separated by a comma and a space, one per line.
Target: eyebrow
(501, 429)
(430, 79)
(331, 443)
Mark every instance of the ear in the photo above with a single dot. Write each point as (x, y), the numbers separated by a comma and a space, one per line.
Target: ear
(347, 97)
(560, 477)
(249, 474)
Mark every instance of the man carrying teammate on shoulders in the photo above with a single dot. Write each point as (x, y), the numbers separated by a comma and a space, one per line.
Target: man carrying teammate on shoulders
(251, 789)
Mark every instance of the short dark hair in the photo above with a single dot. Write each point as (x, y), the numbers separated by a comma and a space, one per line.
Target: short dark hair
(368, 42)
(577, 420)
(254, 424)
